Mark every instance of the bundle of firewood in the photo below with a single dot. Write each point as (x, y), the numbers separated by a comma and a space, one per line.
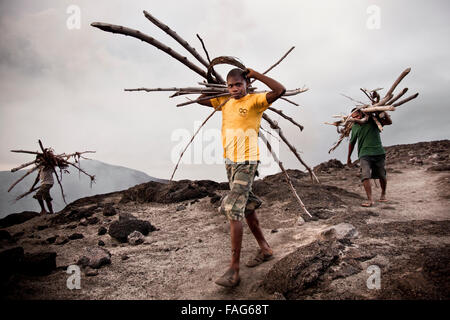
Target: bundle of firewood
(213, 83)
(49, 159)
(374, 109)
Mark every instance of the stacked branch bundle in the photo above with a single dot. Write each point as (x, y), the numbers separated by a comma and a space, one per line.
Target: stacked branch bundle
(48, 159)
(213, 84)
(373, 109)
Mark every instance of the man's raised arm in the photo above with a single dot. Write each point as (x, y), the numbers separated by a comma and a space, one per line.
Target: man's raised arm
(277, 88)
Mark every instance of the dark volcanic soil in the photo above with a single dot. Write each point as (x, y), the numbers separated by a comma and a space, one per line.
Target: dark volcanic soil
(407, 239)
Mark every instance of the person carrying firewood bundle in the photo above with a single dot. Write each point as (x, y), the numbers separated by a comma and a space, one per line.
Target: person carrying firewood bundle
(371, 153)
(45, 176)
(241, 117)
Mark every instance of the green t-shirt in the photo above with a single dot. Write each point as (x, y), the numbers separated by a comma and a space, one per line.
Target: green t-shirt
(369, 141)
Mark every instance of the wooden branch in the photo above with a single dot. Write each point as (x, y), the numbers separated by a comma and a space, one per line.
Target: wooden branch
(293, 92)
(367, 95)
(150, 40)
(202, 99)
(31, 170)
(274, 125)
(359, 121)
(193, 90)
(291, 102)
(81, 170)
(288, 179)
(26, 193)
(406, 100)
(181, 93)
(76, 154)
(223, 60)
(24, 151)
(286, 117)
(378, 109)
(23, 166)
(181, 41)
(192, 139)
(278, 62)
(337, 143)
(398, 96)
(350, 98)
(204, 48)
(218, 77)
(395, 84)
(214, 85)
(270, 134)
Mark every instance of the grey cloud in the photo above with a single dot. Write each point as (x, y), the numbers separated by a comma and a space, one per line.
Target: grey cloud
(66, 87)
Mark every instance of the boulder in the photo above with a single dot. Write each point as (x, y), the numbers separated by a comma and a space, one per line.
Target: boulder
(102, 231)
(5, 235)
(181, 207)
(123, 227)
(330, 164)
(135, 238)
(177, 191)
(439, 167)
(39, 263)
(95, 257)
(92, 220)
(75, 236)
(341, 231)
(215, 198)
(302, 269)
(11, 259)
(89, 272)
(17, 218)
(71, 214)
(62, 240)
(51, 239)
(109, 210)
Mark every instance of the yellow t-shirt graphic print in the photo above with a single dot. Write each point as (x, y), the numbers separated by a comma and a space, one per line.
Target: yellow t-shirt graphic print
(240, 125)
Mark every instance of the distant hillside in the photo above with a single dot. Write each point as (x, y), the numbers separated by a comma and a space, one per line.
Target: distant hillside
(109, 178)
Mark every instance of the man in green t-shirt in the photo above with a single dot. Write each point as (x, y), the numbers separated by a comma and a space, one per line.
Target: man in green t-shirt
(370, 153)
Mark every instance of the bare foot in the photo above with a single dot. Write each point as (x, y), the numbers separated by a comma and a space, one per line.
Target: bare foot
(229, 279)
(383, 198)
(367, 204)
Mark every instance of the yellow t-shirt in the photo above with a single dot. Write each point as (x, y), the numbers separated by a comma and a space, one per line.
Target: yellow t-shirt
(240, 125)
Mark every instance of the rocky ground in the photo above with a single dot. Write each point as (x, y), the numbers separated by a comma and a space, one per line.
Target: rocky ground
(158, 241)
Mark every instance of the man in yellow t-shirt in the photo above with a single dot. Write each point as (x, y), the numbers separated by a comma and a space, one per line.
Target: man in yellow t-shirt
(241, 117)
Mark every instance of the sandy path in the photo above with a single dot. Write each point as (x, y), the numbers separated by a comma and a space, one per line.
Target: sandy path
(192, 247)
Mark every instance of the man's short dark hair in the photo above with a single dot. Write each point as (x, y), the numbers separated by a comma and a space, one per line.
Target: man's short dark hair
(237, 72)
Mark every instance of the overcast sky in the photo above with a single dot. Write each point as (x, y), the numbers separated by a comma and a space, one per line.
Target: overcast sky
(66, 86)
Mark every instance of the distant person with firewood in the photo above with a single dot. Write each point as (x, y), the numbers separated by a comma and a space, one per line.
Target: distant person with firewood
(371, 153)
(45, 176)
(241, 117)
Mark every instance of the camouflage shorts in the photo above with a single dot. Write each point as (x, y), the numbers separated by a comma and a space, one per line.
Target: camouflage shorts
(240, 201)
(44, 192)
